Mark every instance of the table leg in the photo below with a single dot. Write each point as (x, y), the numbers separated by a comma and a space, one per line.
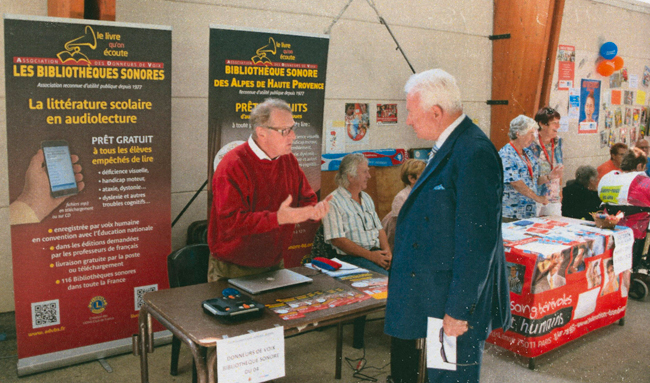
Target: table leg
(143, 329)
(199, 358)
(531, 363)
(422, 371)
(212, 360)
(339, 350)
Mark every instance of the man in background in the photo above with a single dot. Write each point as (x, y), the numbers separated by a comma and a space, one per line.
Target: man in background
(259, 194)
(616, 153)
(448, 261)
(352, 225)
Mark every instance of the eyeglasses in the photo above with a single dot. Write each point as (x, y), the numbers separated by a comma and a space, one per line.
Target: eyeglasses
(283, 131)
(367, 221)
(443, 355)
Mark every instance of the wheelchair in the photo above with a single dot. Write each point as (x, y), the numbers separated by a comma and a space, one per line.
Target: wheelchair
(640, 278)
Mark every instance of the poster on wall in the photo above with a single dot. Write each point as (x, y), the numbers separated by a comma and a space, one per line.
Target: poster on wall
(566, 66)
(89, 159)
(248, 66)
(387, 114)
(589, 106)
(357, 126)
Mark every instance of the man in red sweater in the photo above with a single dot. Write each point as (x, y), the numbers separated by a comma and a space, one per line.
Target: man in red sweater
(259, 194)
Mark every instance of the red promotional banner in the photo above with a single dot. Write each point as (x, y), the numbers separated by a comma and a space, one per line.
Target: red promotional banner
(89, 153)
(562, 284)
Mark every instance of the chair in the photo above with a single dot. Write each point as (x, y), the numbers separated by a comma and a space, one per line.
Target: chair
(186, 266)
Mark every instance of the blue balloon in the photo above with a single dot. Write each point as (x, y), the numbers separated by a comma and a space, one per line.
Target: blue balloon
(608, 50)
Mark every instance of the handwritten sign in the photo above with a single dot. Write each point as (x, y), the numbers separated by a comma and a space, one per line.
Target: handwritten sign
(623, 242)
(251, 358)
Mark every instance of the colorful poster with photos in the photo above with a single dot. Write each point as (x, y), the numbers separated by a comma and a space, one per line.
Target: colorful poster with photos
(387, 114)
(628, 116)
(646, 76)
(629, 97)
(609, 118)
(604, 135)
(615, 80)
(357, 120)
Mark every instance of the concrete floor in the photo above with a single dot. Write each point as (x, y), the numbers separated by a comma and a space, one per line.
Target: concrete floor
(611, 354)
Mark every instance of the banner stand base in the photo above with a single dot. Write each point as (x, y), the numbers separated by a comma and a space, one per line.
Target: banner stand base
(46, 362)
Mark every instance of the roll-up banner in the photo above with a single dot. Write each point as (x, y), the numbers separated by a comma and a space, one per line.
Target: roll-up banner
(89, 159)
(249, 66)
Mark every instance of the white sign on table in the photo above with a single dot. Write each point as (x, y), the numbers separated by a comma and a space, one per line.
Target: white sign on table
(251, 358)
(623, 242)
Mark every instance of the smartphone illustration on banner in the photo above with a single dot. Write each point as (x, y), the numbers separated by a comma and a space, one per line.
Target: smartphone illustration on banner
(59, 168)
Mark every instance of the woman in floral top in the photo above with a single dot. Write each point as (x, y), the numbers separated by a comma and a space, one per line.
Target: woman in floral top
(547, 150)
(520, 171)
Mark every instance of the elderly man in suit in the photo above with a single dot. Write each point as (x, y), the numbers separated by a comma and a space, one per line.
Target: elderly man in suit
(448, 261)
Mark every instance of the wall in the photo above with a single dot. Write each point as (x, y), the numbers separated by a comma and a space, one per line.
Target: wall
(363, 67)
(585, 27)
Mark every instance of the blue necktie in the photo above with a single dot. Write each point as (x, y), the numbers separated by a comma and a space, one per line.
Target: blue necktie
(432, 153)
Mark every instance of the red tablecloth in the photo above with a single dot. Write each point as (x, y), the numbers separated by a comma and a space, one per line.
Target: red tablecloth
(562, 284)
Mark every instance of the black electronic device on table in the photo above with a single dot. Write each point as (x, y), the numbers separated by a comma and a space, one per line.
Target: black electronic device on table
(232, 306)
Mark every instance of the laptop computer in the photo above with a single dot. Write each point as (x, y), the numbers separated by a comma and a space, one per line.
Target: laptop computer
(255, 284)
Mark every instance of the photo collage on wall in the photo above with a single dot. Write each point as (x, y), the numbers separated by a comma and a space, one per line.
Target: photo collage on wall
(614, 108)
(625, 108)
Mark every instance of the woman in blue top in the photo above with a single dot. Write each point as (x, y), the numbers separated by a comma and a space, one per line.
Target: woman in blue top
(521, 171)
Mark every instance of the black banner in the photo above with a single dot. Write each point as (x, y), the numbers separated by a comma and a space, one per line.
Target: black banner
(537, 327)
(248, 66)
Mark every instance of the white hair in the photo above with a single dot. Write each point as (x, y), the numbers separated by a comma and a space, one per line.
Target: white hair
(435, 87)
(349, 165)
(520, 125)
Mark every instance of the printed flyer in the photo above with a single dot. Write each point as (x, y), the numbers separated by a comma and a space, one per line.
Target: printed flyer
(566, 66)
(89, 158)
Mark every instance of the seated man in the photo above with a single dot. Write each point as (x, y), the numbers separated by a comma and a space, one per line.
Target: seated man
(580, 196)
(630, 186)
(352, 225)
(616, 153)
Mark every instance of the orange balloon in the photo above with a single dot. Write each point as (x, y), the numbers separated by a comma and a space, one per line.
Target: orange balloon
(605, 68)
(618, 62)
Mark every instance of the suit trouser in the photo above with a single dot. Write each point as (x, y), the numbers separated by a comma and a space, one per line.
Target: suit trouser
(405, 358)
